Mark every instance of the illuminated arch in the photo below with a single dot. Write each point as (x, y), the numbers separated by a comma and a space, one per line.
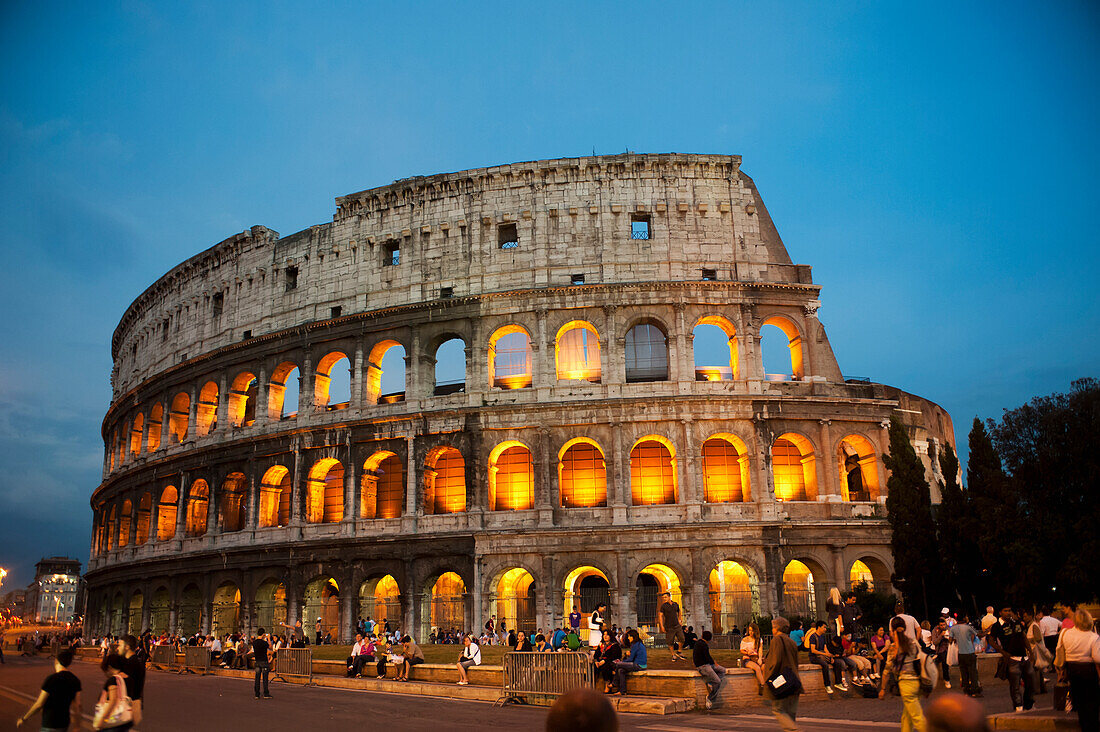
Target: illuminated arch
(794, 343)
(156, 424)
(233, 492)
(646, 352)
(110, 528)
(226, 607)
(166, 513)
(386, 364)
(382, 486)
(280, 404)
(858, 466)
(448, 602)
(511, 477)
(649, 584)
(799, 589)
(126, 516)
(510, 358)
(585, 587)
(206, 411)
(198, 499)
(242, 400)
(871, 570)
(179, 416)
(137, 433)
(274, 497)
(323, 377)
(145, 507)
(577, 352)
(734, 595)
(725, 469)
(325, 494)
(715, 333)
(380, 600)
(448, 379)
(652, 471)
(794, 468)
(322, 602)
(514, 601)
(445, 481)
(582, 474)
(271, 605)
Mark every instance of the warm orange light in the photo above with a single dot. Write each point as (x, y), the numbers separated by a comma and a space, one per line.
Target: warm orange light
(514, 597)
(861, 573)
(652, 472)
(582, 474)
(275, 497)
(794, 468)
(177, 420)
(447, 480)
(794, 342)
(858, 469)
(325, 492)
(448, 602)
(156, 418)
(166, 514)
(144, 509)
(798, 589)
(207, 408)
(717, 373)
(242, 400)
(510, 358)
(511, 477)
(577, 352)
(387, 600)
(725, 469)
(197, 508)
(382, 487)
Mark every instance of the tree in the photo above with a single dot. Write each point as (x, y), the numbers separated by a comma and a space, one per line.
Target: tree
(955, 526)
(917, 567)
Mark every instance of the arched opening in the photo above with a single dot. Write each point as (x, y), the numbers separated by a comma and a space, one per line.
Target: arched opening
(322, 601)
(283, 392)
(198, 499)
(858, 469)
(794, 468)
(110, 445)
(380, 600)
(137, 604)
(781, 349)
(510, 358)
(123, 442)
(126, 516)
(226, 617)
(332, 382)
(166, 513)
(511, 477)
(861, 573)
(450, 367)
(445, 481)
(206, 411)
(649, 585)
(156, 424)
(448, 608)
(325, 493)
(386, 373)
(715, 346)
(382, 487)
(271, 606)
(582, 474)
(734, 596)
(119, 619)
(136, 433)
(179, 416)
(242, 400)
(872, 571)
(275, 497)
(725, 469)
(514, 600)
(160, 611)
(577, 352)
(234, 489)
(652, 472)
(190, 612)
(145, 507)
(646, 353)
(799, 592)
(110, 528)
(585, 587)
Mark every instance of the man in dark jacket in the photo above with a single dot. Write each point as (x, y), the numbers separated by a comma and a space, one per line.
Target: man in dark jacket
(782, 659)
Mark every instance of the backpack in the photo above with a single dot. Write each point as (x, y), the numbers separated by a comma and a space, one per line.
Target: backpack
(929, 672)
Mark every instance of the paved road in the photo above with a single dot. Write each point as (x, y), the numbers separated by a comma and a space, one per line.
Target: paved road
(187, 703)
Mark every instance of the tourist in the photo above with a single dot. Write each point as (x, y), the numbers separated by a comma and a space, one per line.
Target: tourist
(902, 676)
(358, 657)
(59, 698)
(850, 615)
(833, 605)
(714, 676)
(471, 656)
(781, 670)
(690, 637)
(411, 656)
(633, 660)
(912, 627)
(852, 652)
(262, 658)
(575, 620)
(603, 660)
(796, 633)
(511, 640)
(751, 656)
(669, 621)
(1051, 627)
(542, 645)
(1077, 657)
(926, 634)
(1069, 613)
(557, 640)
(522, 643)
(1041, 658)
(134, 667)
(596, 625)
(382, 653)
(573, 640)
(490, 624)
(988, 619)
(1008, 637)
(113, 710)
(940, 642)
(878, 652)
(965, 637)
(820, 655)
(581, 710)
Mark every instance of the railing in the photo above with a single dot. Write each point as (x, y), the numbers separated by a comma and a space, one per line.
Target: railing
(639, 234)
(164, 657)
(196, 659)
(295, 662)
(543, 676)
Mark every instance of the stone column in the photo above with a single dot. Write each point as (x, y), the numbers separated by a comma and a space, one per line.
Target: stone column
(252, 521)
(412, 483)
(679, 354)
(346, 633)
(166, 425)
(146, 607)
(212, 509)
(613, 349)
(546, 488)
(478, 593)
(181, 507)
(357, 377)
(827, 470)
(222, 413)
(307, 400)
(840, 577)
(688, 464)
(618, 480)
(548, 591)
(415, 381)
(261, 410)
(173, 617)
(193, 414)
(765, 482)
(544, 369)
(351, 484)
(296, 485)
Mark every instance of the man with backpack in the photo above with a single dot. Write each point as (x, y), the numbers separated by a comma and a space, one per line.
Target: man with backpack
(781, 675)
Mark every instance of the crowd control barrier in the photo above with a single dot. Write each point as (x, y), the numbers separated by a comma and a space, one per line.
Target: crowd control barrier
(196, 660)
(293, 662)
(163, 658)
(543, 676)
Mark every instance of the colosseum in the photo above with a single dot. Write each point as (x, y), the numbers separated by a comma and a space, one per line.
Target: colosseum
(504, 391)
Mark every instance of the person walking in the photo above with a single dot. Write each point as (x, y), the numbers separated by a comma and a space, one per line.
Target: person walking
(113, 710)
(964, 636)
(903, 676)
(670, 622)
(714, 676)
(59, 698)
(135, 674)
(1008, 637)
(782, 663)
(261, 657)
(1050, 627)
(1077, 658)
(941, 641)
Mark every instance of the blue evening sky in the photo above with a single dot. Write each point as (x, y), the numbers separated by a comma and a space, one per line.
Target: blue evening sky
(934, 162)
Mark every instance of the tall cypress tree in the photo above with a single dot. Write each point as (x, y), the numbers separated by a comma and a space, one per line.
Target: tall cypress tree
(909, 503)
(954, 524)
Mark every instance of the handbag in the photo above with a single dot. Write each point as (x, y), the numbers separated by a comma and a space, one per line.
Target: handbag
(953, 654)
(784, 682)
(123, 710)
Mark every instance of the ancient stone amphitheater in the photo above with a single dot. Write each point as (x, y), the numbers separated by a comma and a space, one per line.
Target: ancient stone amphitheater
(491, 393)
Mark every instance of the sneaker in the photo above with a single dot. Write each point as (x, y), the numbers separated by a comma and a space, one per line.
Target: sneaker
(256, 697)
(709, 704)
(842, 686)
(463, 683)
(1018, 710)
(829, 690)
(947, 684)
(267, 696)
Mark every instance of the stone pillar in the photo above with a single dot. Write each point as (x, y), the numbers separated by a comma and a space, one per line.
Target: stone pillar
(193, 413)
(166, 424)
(351, 483)
(688, 465)
(696, 608)
(347, 604)
(479, 594)
(181, 507)
(680, 355)
(415, 382)
(307, 400)
(412, 491)
(296, 485)
(618, 479)
(212, 508)
(357, 377)
(765, 482)
(544, 369)
(173, 617)
(261, 410)
(146, 607)
(613, 349)
(222, 413)
(252, 521)
(546, 488)
(547, 590)
(828, 473)
(840, 577)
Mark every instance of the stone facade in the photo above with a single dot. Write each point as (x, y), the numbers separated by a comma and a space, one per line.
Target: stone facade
(213, 493)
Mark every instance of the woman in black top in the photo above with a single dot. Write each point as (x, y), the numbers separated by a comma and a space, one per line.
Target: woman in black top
(604, 660)
(114, 693)
(522, 644)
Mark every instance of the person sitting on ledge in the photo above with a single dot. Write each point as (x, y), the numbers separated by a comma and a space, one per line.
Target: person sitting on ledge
(471, 656)
(635, 660)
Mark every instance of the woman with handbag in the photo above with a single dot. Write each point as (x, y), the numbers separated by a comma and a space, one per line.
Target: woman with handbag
(114, 710)
(1077, 658)
(902, 676)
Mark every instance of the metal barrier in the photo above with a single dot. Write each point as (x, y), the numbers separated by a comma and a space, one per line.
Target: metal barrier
(196, 659)
(164, 657)
(544, 676)
(294, 662)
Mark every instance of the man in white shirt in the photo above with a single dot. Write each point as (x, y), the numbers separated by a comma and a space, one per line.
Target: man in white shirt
(1049, 626)
(912, 627)
(988, 620)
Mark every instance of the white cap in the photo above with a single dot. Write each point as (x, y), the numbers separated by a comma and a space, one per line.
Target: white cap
(945, 611)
